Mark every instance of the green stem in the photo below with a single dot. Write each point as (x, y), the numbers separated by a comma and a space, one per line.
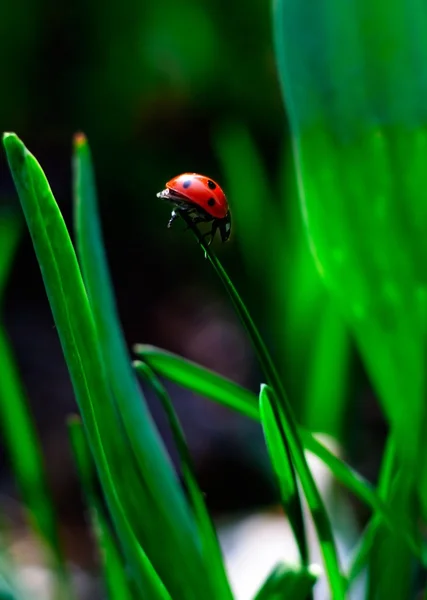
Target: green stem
(320, 517)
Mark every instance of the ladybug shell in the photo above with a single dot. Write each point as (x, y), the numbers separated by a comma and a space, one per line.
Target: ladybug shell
(201, 191)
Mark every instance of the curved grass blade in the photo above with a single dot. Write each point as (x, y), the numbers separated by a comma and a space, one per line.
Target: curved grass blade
(367, 540)
(280, 456)
(227, 393)
(76, 329)
(18, 429)
(115, 578)
(289, 582)
(210, 544)
(316, 507)
(170, 518)
(199, 379)
(289, 422)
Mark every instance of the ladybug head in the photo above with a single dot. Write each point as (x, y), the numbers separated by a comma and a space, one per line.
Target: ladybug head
(225, 227)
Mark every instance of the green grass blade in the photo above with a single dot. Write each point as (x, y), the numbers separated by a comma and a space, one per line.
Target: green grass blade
(386, 550)
(115, 578)
(199, 379)
(207, 532)
(284, 581)
(316, 506)
(281, 460)
(291, 430)
(19, 432)
(165, 501)
(206, 383)
(367, 540)
(76, 329)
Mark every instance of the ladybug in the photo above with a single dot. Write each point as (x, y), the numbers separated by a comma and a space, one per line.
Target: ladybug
(201, 200)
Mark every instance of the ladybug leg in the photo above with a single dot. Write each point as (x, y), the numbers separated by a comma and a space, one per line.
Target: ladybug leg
(174, 216)
(211, 233)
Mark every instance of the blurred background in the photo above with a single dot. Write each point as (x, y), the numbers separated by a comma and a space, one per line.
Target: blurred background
(161, 88)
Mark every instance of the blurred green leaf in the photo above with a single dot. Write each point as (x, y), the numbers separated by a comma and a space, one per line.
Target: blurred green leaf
(76, 329)
(289, 582)
(360, 153)
(211, 548)
(219, 389)
(281, 460)
(175, 527)
(326, 399)
(258, 229)
(358, 149)
(18, 428)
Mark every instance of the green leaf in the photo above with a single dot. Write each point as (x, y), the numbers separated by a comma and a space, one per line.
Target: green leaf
(207, 532)
(18, 429)
(284, 581)
(359, 151)
(158, 493)
(281, 460)
(289, 422)
(199, 379)
(326, 396)
(227, 393)
(314, 500)
(76, 329)
(113, 568)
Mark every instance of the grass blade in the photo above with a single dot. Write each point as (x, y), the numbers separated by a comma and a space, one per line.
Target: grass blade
(114, 574)
(227, 393)
(19, 432)
(200, 380)
(316, 507)
(289, 582)
(207, 531)
(170, 518)
(76, 329)
(280, 457)
(289, 423)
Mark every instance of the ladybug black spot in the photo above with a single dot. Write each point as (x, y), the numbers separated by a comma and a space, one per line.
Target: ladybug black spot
(211, 185)
(211, 201)
(186, 184)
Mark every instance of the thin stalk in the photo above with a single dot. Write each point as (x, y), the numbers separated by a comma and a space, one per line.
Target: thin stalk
(317, 508)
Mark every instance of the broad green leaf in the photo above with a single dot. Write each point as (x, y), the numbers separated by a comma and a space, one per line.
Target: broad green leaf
(280, 456)
(359, 150)
(76, 329)
(284, 581)
(159, 493)
(219, 389)
(207, 531)
(326, 394)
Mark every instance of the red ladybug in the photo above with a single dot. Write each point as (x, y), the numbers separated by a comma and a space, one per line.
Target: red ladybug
(201, 200)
